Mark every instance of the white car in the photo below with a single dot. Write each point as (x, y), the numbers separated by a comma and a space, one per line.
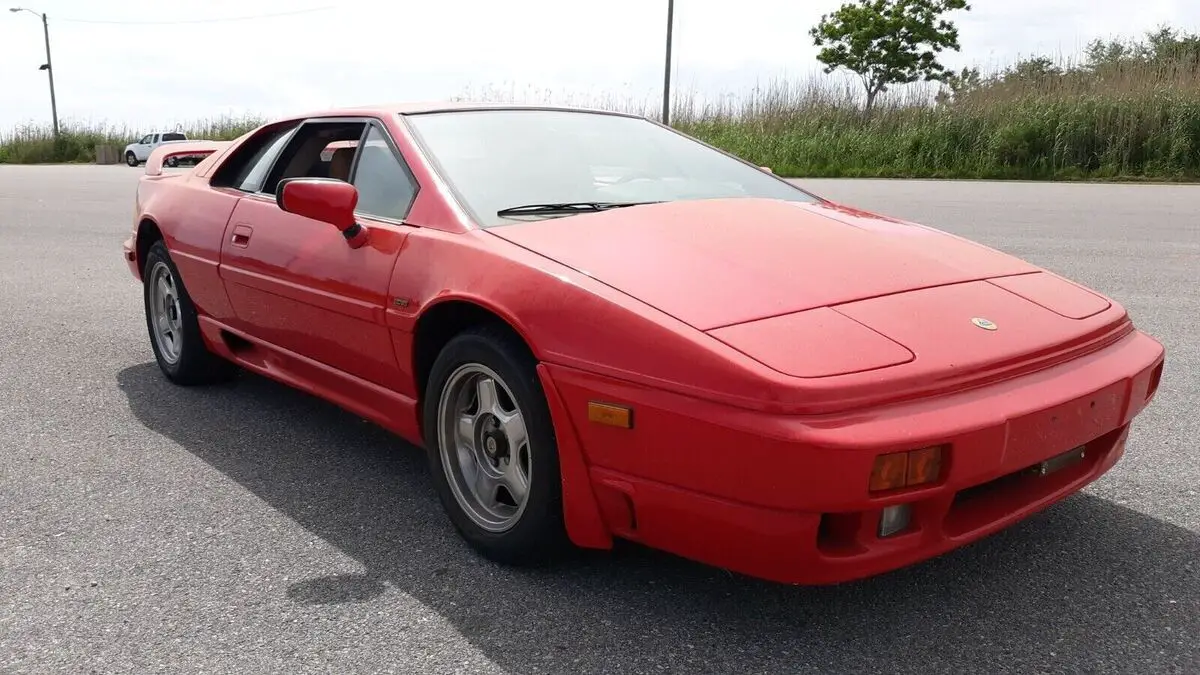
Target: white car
(139, 151)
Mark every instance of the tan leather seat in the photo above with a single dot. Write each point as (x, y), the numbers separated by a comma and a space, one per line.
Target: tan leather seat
(339, 163)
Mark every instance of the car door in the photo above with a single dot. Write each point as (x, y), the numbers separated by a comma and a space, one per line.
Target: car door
(142, 149)
(295, 283)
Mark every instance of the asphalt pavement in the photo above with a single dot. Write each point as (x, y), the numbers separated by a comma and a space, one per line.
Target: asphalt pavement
(249, 528)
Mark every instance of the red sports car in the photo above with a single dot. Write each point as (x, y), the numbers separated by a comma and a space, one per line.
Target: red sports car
(599, 327)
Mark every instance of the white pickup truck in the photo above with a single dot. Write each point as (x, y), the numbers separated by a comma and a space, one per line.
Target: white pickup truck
(139, 151)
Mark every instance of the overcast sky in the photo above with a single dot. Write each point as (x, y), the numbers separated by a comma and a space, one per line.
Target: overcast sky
(112, 64)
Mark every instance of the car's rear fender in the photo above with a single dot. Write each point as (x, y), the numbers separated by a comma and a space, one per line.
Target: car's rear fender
(191, 218)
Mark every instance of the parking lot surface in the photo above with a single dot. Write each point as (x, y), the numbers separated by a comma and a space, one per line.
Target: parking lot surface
(250, 528)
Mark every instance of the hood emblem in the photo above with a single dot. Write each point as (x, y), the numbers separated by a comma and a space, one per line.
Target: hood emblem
(983, 323)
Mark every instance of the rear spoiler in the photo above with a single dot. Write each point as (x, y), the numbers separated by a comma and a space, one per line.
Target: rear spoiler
(195, 150)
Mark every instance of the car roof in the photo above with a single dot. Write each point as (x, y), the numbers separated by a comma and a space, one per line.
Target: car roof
(419, 107)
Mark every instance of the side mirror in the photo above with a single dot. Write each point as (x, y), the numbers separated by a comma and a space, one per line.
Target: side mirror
(325, 199)
(767, 169)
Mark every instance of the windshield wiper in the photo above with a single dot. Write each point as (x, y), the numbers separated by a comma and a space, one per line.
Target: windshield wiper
(565, 207)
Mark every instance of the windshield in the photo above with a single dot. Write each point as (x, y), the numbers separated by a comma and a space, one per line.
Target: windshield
(499, 159)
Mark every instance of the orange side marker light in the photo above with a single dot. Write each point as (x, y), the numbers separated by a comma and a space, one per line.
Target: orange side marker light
(610, 415)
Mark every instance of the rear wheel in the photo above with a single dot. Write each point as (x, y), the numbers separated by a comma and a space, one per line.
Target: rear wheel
(492, 449)
(173, 326)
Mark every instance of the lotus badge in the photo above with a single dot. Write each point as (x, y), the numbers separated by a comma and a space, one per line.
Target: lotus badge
(983, 323)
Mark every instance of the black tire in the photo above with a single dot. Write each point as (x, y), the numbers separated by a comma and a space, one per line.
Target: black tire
(539, 535)
(172, 161)
(131, 159)
(195, 364)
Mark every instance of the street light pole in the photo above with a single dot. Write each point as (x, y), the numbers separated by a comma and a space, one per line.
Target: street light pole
(666, 106)
(48, 67)
(50, 72)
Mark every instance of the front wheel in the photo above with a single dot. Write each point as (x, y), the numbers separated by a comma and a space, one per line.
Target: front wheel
(131, 159)
(492, 449)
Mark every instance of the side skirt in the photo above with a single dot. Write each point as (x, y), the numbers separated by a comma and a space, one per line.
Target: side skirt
(380, 405)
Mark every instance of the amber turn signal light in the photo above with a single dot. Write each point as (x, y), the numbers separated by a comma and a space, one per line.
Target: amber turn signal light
(924, 465)
(890, 472)
(610, 415)
(906, 469)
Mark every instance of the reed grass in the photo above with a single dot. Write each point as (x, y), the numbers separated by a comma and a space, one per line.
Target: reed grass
(34, 143)
(1120, 114)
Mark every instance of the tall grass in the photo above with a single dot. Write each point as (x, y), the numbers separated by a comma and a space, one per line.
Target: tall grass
(77, 141)
(1120, 114)
(1137, 120)
(1152, 134)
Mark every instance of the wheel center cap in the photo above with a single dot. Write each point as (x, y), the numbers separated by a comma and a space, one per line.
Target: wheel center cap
(492, 441)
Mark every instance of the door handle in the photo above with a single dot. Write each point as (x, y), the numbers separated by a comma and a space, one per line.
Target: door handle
(241, 235)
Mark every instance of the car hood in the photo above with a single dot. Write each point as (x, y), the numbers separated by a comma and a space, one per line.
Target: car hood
(722, 262)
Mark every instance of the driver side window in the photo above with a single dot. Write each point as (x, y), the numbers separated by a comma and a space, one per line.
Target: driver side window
(252, 181)
(303, 156)
(326, 149)
(385, 187)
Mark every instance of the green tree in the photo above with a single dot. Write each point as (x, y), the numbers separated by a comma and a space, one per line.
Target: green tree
(887, 42)
(960, 85)
(1164, 46)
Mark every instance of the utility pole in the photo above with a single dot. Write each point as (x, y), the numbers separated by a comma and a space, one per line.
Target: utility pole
(50, 73)
(48, 67)
(666, 110)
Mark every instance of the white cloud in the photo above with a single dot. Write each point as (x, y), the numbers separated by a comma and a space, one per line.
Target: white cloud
(381, 50)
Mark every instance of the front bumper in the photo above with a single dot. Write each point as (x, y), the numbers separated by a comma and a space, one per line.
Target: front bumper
(786, 498)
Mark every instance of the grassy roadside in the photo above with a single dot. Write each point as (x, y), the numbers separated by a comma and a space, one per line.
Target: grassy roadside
(1129, 111)
(1156, 138)
(35, 144)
